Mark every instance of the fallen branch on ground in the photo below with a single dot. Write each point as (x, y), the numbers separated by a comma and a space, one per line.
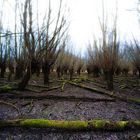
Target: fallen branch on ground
(40, 86)
(11, 105)
(43, 90)
(63, 85)
(96, 84)
(62, 98)
(108, 93)
(73, 125)
(31, 106)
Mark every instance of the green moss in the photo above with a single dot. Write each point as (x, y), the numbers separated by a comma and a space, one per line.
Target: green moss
(136, 123)
(54, 124)
(73, 125)
(6, 87)
(76, 124)
(98, 123)
(136, 100)
(121, 124)
(63, 84)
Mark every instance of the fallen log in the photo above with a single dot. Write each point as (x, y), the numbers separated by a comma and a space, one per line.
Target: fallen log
(108, 93)
(43, 90)
(72, 125)
(40, 86)
(61, 98)
(6, 88)
(96, 84)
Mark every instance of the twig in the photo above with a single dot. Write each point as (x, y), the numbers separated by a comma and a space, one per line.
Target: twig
(31, 106)
(13, 106)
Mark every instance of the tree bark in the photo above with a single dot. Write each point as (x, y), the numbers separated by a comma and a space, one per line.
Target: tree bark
(109, 79)
(46, 72)
(58, 72)
(139, 72)
(19, 70)
(79, 71)
(73, 125)
(22, 85)
(71, 71)
(3, 69)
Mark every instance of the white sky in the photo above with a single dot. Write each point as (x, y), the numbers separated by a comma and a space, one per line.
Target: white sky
(83, 17)
(85, 23)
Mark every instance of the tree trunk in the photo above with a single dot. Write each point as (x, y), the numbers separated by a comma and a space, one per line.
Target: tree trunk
(3, 69)
(58, 72)
(11, 71)
(95, 71)
(109, 79)
(71, 73)
(139, 72)
(35, 67)
(46, 72)
(2, 72)
(19, 70)
(22, 85)
(38, 71)
(18, 73)
(73, 125)
(79, 71)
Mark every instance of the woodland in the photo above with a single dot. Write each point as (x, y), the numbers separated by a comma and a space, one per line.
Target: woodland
(48, 92)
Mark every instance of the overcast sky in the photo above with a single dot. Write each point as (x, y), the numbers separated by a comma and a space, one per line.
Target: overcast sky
(83, 17)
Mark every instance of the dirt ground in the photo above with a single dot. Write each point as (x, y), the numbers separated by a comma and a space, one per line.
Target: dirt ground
(71, 109)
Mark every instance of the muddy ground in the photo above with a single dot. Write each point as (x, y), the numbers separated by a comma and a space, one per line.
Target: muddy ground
(71, 109)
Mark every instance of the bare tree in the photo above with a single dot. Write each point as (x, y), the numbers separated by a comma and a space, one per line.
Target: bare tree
(61, 61)
(79, 64)
(109, 49)
(134, 52)
(52, 41)
(29, 43)
(93, 63)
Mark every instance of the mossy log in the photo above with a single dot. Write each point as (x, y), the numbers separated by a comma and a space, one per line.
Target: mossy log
(72, 125)
(108, 93)
(6, 88)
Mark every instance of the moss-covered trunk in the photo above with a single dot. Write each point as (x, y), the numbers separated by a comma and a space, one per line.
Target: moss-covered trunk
(73, 125)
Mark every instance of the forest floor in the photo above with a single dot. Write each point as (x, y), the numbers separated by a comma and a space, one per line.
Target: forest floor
(70, 103)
